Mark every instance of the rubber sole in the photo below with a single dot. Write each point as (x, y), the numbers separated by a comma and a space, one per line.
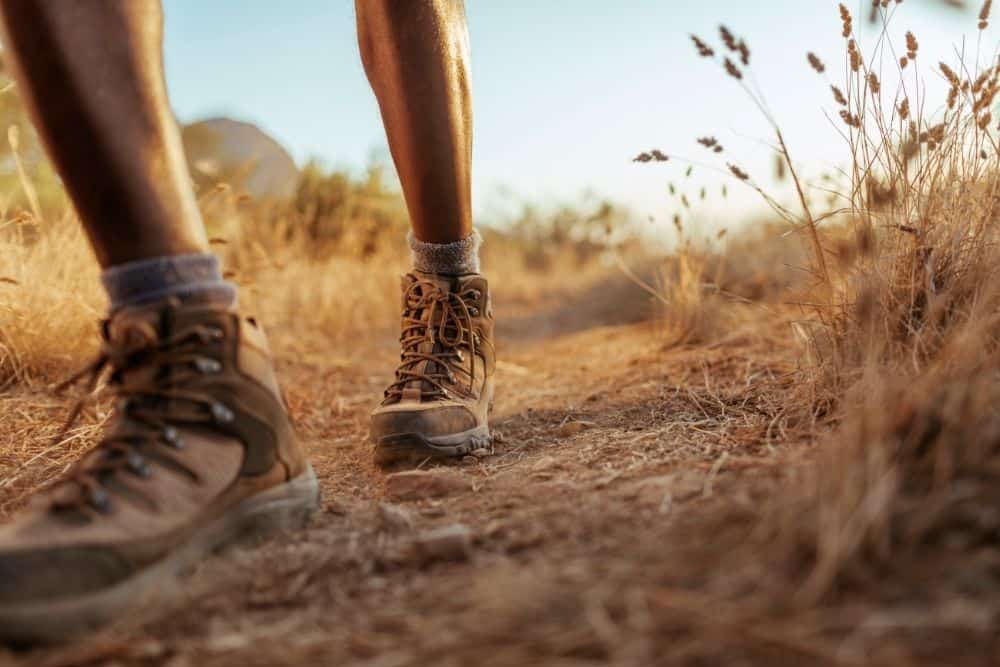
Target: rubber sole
(283, 508)
(413, 448)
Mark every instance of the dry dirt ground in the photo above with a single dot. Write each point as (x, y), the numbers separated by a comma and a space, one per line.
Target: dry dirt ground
(566, 547)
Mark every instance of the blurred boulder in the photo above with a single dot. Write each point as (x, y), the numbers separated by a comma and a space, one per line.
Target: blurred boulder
(223, 150)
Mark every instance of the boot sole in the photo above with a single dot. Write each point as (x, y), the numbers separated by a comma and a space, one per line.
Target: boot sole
(411, 448)
(283, 508)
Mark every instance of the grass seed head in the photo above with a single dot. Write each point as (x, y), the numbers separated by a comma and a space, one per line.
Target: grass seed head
(728, 38)
(855, 55)
(984, 14)
(981, 80)
(873, 83)
(738, 173)
(846, 21)
(849, 118)
(839, 96)
(949, 74)
(732, 70)
(912, 45)
(744, 52)
(704, 50)
(815, 62)
(904, 109)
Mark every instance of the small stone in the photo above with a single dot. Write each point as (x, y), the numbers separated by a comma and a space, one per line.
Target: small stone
(433, 512)
(336, 507)
(573, 428)
(227, 643)
(545, 463)
(419, 484)
(450, 543)
(394, 517)
(678, 486)
(148, 650)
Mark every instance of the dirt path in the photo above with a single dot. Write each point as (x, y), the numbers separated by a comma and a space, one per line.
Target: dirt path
(562, 548)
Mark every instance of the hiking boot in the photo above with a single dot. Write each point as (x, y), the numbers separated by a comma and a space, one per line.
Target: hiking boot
(198, 452)
(439, 403)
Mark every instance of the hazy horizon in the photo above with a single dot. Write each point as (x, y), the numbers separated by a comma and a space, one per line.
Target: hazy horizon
(564, 99)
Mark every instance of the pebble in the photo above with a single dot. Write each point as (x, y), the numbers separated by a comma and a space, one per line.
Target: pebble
(680, 486)
(227, 643)
(394, 517)
(450, 543)
(572, 428)
(419, 484)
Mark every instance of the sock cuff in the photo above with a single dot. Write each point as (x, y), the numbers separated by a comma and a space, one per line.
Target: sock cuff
(196, 277)
(456, 258)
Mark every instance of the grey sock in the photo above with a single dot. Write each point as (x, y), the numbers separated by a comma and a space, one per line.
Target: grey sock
(191, 278)
(451, 259)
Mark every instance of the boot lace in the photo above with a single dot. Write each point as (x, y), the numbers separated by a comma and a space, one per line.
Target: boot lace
(147, 409)
(448, 326)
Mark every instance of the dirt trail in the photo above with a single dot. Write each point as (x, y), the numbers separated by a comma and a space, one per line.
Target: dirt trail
(611, 445)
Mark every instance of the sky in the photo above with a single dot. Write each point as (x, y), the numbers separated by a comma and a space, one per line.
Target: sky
(566, 92)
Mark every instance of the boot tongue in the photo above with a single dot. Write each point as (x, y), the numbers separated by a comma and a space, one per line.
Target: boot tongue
(133, 329)
(413, 390)
(444, 283)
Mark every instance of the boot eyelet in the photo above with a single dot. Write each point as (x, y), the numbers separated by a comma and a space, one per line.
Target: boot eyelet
(207, 366)
(474, 311)
(99, 500)
(173, 438)
(216, 333)
(221, 414)
(138, 465)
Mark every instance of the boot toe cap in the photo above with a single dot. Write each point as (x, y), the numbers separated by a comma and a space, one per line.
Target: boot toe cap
(429, 422)
(38, 575)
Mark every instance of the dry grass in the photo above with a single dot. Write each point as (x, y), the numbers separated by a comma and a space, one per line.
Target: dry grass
(875, 545)
(324, 279)
(909, 336)
(899, 378)
(49, 299)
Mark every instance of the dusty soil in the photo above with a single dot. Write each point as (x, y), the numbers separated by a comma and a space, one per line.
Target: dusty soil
(571, 545)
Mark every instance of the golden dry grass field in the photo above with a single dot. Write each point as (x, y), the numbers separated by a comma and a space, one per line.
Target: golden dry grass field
(783, 448)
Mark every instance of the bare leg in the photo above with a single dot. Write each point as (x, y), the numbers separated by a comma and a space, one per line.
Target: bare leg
(91, 74)
(416, 55)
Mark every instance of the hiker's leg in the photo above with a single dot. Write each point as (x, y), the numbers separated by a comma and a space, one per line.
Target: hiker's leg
(416, 54)
(91, 74)
(199, 451)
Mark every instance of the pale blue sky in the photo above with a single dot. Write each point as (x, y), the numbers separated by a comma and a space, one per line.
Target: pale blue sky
(566, 91)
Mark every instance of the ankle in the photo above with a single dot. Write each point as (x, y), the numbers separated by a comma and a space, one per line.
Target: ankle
(195, 278)
(450, 259)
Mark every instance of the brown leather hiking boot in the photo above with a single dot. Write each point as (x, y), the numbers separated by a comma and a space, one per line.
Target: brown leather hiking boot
(198, 453)
(439, 403)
